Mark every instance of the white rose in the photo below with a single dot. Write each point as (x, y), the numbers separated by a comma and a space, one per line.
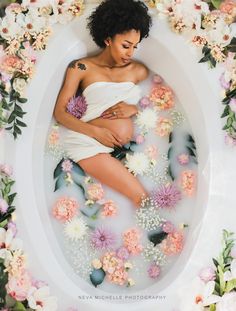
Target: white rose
(227, 302)
(19, 85)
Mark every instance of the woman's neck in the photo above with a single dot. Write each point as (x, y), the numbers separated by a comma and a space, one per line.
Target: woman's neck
(105, 59)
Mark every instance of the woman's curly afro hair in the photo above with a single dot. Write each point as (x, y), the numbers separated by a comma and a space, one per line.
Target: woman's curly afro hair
(113, 17)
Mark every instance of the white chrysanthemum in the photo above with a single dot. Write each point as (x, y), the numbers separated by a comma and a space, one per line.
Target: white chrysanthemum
(138, 163)
(146, 119)
(75, 229)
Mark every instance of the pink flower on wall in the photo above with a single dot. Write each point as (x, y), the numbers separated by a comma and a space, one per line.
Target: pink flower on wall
(95, 192)
(18, 287)
(131, 239)
(188, 181)
(65, 209)
(162, 97)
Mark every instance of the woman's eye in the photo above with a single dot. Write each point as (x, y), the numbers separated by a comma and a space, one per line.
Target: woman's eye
(125, 46)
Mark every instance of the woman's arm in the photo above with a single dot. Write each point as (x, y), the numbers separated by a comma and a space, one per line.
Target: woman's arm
(74, 75)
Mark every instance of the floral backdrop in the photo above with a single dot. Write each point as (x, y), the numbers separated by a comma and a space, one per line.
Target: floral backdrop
(25, 29)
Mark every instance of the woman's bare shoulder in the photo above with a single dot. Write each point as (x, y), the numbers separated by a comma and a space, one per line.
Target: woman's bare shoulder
(141, 71)
(80, 64)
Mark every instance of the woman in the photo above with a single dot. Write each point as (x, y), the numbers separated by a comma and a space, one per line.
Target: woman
(109, 83)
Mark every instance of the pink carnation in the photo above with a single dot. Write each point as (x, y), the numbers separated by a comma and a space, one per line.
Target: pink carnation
(151, 151)
(109, 209)
(168, 227)
(131, 239)
(173, 244)
(122, 253)
(183, 158)
(188, 180)
(65, 209)
(228, 7)
(154, 271)
(18, 287)
(162, 96)
(11, 64)
(157, 79)
(119, 276)
(3, 206)
(67, 166)
(95, 192)
(139, 139)
(164, 127)
(144, 102)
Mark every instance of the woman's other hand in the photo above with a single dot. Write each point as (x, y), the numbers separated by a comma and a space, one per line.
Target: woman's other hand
(107, 137)
(121, 110)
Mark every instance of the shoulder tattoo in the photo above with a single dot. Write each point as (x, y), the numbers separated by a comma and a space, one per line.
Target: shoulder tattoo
(77, 64)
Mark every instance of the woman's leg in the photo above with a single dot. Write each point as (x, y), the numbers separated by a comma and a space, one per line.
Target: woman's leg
(113, 173)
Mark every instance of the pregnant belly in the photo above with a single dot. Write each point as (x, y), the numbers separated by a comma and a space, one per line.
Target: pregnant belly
(122, 127)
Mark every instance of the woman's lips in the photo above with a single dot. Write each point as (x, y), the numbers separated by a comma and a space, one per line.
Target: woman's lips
(125, 60)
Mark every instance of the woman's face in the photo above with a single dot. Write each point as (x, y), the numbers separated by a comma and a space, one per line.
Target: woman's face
(122, 46)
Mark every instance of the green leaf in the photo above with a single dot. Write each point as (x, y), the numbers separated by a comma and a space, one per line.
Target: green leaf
(226, 111)
(17, 129)
(230, 285)
(169, 152)
(3, 282)
(156, 237)
(11, 117)
(18, 122)
(212, 307)
(170, 137)
(204, 59)
(58, 169)
(170, 172)
(19, 307)
(22, 100)
(230, 121)
(60, 182)
(97, 276)
(190, 150)
(216, 3)
(77, 169)
(3, 223)
(222, 281)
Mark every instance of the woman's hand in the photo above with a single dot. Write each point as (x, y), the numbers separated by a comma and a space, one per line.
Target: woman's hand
(121, 110)
(107, 137)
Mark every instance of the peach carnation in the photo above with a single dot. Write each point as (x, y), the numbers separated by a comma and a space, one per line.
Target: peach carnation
(65, 209)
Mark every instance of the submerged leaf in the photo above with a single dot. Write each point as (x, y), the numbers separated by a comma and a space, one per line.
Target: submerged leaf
(156, 236)
(97, 276)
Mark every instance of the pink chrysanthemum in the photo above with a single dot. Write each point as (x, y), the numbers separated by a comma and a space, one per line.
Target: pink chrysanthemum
(65, 209)
(166, 196)
(102, 238)
(77, 106)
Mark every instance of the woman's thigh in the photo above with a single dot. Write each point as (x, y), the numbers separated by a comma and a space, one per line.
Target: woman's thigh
(112, 173)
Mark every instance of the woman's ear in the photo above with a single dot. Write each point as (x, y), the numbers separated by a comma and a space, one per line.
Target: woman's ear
(107, 41)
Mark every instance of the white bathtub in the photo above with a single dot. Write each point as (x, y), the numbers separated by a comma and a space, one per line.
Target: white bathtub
(197, 89)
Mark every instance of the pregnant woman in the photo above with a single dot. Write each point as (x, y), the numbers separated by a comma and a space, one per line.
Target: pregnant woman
(108, 81)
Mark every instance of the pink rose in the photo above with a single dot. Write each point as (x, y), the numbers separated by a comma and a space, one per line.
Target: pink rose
(144, 102)
(6, 169)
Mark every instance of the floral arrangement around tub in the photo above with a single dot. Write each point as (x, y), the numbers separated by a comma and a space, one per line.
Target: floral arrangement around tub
(208, 25)
(214, 289)
(151, 237)
(19, 291)
(24, 31)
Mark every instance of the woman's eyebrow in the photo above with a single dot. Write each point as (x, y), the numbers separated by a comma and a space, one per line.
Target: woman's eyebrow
(131, 42)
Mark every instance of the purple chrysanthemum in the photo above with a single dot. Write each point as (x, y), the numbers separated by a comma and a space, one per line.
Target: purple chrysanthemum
(77, 106)
(166, 196)
(102, 238)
